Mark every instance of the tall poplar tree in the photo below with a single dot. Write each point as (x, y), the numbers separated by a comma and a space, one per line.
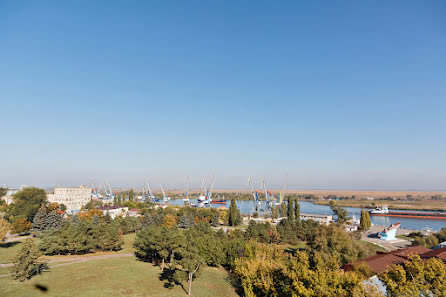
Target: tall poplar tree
(290, 211)
(296, 210)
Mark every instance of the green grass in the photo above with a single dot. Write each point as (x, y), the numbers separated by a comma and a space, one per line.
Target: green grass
(114, 277)
(373, 246)
(127, 247)
(9, 250)
(404, 237)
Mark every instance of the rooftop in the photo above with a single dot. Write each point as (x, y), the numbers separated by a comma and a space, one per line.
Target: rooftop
(438, 253)
(383, 261)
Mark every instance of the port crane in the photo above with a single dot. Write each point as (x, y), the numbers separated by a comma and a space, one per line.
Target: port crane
(165, 195)
(268, 195)
(256, 195)
(206, 195)
(186, 194)
(147, 191)
(281, 196)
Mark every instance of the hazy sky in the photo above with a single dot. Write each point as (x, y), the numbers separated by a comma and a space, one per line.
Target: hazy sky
(338, 94)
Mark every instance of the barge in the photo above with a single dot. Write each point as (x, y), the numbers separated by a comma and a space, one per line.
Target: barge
(411, 214)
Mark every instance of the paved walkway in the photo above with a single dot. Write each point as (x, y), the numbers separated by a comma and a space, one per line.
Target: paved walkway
(73, 260)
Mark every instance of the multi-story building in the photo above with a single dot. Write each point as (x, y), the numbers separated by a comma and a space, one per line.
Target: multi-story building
(72, 198)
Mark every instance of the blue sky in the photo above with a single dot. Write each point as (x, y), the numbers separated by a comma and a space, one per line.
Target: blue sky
(336, 94)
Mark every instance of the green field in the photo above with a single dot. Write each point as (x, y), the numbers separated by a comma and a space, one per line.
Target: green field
(9, 250)
(114, 277)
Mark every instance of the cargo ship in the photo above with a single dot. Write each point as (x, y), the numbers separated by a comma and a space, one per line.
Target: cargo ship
(408, 214)
(219, 201)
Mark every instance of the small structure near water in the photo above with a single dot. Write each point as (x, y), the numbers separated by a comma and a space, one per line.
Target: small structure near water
(389, 232)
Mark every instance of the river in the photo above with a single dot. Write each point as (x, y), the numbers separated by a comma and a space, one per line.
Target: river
(247, 206)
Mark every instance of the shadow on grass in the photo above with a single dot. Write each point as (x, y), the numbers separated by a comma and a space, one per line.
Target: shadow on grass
(41, 288)
(9, 244)
(173, 277)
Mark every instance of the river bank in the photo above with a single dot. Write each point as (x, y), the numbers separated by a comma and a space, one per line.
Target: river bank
(424, 205)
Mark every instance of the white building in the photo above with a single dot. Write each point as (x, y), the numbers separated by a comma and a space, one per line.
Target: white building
(114, 211)
(72, 198)
(323, 219)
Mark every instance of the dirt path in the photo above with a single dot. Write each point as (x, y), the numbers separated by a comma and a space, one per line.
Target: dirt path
(74, 260)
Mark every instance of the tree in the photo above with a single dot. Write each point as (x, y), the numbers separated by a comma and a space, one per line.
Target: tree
(62, 207)
(4, 228)
(185, 222)
(169, 221)
(39, 221)
(26, 203)
(283, 209)
(234, 214)
(275, 212)
(106, 237)
(131, 195)
(296, 210)
(341, 213)
(365, 220)
(3, 191)
(21, 225)
(191, 260)
(25, 262)
(416, 278)
(290, 211)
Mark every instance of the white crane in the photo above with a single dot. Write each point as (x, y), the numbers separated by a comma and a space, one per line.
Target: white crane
(165, 196)
(186, 195)
(255, 195)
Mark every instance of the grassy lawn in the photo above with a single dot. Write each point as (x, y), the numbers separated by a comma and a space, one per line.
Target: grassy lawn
(375, 247)
(8, 251)
(404, 237)
(114, 277)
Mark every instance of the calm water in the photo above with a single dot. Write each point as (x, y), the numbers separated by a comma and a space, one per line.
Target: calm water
(247, 206)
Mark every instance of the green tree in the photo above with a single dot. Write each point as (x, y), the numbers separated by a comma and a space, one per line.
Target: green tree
(283, 209)
(275, 212)
(234, 214)
(62, 207)
(296, 210)
(106, 237)
(26, 203)
(131, 195)
(3, 191)
(290, 211)
(341, 213)
(25, 262)
(416, 278)
(365, 222)
(46, 220)
(191, 259)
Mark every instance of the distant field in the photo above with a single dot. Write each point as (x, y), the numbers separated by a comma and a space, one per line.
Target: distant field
(428, 205)
(114, 277)
(321, 193)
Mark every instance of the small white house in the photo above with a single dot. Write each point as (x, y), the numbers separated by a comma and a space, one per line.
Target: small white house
(114, 211)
